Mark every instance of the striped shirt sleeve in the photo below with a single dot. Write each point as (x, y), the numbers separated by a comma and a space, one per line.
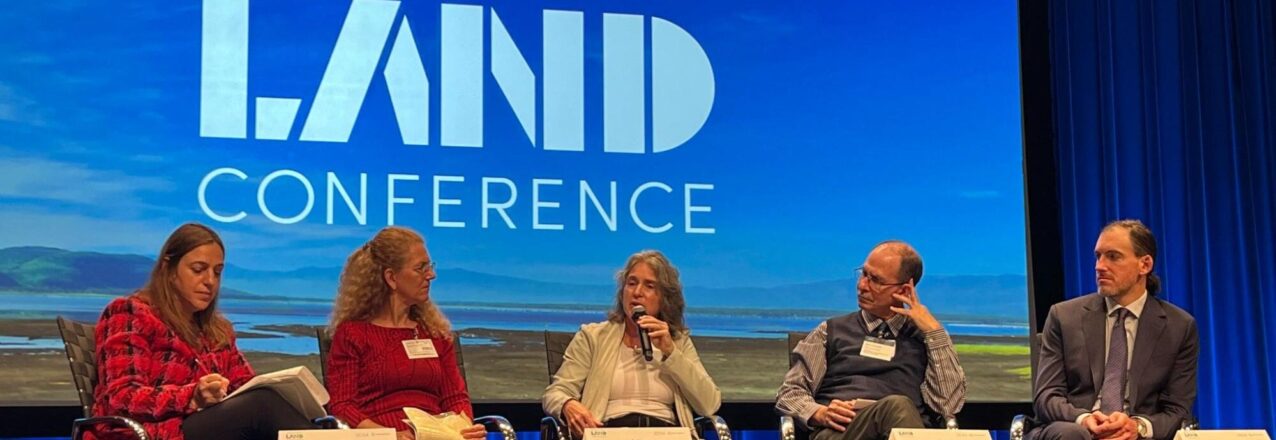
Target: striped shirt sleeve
(795, 397)
(944, 388)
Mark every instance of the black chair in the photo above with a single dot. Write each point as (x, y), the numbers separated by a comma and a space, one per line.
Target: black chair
(790, 430)
(492, 423)
(1022, 423)
(555, 347)
(78, 338)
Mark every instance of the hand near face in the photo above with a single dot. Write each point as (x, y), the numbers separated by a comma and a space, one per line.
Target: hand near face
(659, 332)
(915, 310)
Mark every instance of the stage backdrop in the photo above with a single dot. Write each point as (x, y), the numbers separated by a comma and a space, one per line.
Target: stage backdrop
(764, 146)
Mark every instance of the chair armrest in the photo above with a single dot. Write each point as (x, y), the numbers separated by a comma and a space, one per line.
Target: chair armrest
(498, 424)
(787, 430)
(950, 422)
(1190, 424)
(713, 424)
(552, 429)
(1018, 427)
(77, 427)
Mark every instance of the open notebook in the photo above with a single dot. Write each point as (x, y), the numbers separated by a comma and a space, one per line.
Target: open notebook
(296, 385)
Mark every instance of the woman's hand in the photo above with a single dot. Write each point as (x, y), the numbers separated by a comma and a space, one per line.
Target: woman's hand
(475, 431)
(659, 332)
(578, 418)
(209, 390)
(404, 435)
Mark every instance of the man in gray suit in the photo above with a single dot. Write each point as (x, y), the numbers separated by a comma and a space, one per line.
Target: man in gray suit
(1119, 364)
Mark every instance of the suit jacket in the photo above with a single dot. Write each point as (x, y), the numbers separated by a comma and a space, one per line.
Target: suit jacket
(1162, 378)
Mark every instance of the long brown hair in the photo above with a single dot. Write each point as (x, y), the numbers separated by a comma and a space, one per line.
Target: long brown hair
(363, 292)
(168, 303)
(672, 303)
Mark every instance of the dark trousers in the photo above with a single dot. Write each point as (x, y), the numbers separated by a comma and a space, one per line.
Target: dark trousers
(255, 415)
(876, 421)
(636, 420)
(1060, 431)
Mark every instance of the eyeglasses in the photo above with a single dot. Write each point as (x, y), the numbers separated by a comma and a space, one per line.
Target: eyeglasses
(425, 267)
(875, 282)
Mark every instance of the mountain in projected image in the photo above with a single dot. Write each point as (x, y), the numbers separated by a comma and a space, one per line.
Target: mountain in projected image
(40, 269)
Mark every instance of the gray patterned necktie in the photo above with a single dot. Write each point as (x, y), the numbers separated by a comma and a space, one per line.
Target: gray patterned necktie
(1111, 397)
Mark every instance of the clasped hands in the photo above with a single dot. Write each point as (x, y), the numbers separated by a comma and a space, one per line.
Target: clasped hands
(1115, 426)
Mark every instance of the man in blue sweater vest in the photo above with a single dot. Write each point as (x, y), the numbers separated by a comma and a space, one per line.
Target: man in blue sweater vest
(859, 375)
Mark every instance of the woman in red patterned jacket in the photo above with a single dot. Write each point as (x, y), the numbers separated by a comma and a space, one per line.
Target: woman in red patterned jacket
(391, 346)
(165, 355)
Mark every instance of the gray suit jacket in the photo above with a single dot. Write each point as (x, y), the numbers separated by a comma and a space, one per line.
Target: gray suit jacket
(1162, 376)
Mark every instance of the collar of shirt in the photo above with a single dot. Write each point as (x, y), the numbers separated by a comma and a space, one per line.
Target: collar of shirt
(872, 322)
(1135, 308)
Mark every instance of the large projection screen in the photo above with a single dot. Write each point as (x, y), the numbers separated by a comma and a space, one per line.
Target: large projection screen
(764, 146)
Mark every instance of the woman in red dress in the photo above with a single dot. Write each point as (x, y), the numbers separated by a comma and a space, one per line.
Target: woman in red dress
(391, 346)
(166, 356)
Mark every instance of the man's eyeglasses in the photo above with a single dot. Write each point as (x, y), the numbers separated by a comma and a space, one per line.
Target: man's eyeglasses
(425, 267)
(874, 281)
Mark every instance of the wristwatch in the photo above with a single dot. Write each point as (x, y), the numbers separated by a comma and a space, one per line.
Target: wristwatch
(1143, 428)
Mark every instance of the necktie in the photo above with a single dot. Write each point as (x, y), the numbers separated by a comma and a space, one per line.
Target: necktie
(1113, 392)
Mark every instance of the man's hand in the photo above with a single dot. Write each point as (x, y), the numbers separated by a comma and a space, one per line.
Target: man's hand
(1118, 426)
(209, 390)
(578, 418)
(915, 311)
(836, 416)
(475, 431)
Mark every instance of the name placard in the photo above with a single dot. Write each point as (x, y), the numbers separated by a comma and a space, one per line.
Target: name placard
(939, 434)
(338, 434)
(677, 433)
(1222, 434)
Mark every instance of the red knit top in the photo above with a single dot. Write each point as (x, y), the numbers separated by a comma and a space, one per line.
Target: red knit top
(369, 376)
(146, 373)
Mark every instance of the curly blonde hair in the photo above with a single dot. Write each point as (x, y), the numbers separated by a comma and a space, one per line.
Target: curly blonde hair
(363, 293)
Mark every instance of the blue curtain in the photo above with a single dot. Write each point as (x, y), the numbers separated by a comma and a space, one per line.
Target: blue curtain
(1165, 111)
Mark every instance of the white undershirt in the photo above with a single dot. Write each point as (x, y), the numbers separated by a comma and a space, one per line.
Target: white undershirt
(636, 387)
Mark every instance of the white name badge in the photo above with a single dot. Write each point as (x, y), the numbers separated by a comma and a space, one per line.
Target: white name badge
(420, 349)
(939, 434)
(338, 434)
(1222, 434)
(878, 348)
(675, 433)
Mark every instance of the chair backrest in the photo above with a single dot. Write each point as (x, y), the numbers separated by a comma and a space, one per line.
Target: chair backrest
(325, 344)
(555, 346)
(78, 339)
(794, 339)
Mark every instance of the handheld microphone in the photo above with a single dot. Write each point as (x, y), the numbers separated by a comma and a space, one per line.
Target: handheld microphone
(643, 337)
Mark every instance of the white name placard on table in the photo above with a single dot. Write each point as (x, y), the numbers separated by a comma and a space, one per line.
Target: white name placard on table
(1222, 434)
(338, 434)
(939, 434)
(676, 433)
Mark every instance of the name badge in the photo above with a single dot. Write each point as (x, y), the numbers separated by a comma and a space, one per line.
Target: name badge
(420, 349)
(878, 348)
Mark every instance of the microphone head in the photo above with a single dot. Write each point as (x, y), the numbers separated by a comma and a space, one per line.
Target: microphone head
(639, 311)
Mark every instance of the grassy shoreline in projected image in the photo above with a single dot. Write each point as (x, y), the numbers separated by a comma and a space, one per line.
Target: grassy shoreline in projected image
(743, 348)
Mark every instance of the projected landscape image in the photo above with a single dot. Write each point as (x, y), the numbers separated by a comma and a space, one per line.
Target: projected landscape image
(765, 148)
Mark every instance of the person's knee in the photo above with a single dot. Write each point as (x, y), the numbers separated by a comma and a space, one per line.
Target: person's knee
(899, 412)
(1064, 431)
(896, 402)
